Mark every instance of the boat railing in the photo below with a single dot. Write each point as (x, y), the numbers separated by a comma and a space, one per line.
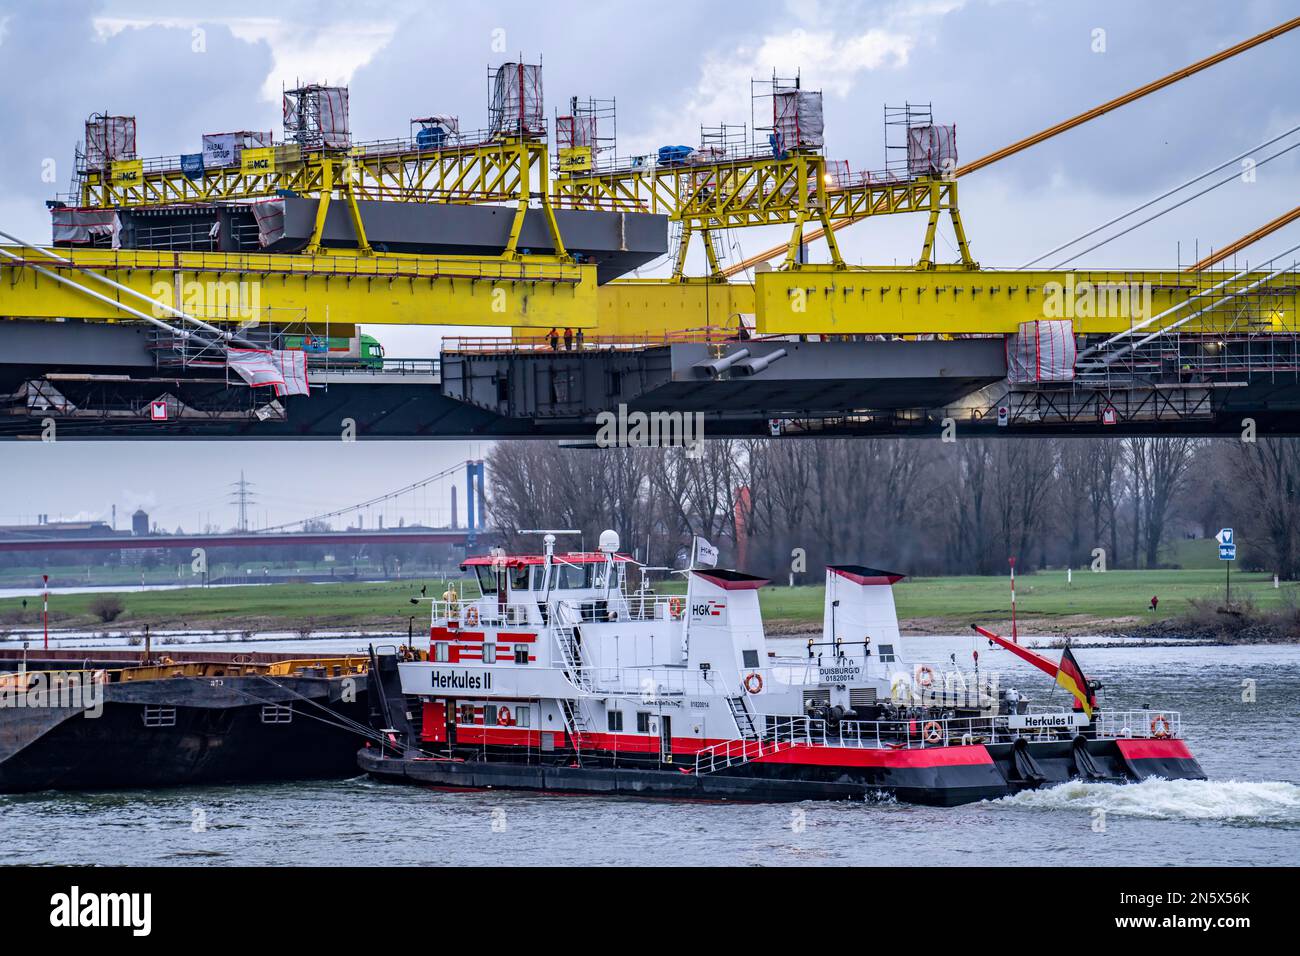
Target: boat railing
(477, 612)
(622, 607)
(480, 612)
(912, 732)
(780, 732)
(652, 682)
(1152, 724)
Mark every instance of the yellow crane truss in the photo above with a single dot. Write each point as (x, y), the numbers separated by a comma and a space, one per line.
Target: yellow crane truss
(511, 169)
(734, 193)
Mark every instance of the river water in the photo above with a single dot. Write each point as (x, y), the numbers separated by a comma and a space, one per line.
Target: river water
(1248, 813)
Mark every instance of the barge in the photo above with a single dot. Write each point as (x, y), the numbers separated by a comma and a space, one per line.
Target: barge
(92, 720)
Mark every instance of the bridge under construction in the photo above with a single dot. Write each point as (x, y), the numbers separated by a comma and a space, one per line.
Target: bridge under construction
(222, 293)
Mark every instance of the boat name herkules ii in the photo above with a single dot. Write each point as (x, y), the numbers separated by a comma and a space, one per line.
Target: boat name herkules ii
(566, 675)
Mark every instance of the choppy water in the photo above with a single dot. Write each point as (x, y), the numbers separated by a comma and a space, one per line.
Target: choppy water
(1247, 814)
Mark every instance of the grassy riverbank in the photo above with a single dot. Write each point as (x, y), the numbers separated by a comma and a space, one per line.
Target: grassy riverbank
(1046, 604)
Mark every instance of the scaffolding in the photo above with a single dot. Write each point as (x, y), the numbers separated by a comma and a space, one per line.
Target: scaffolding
(109, 139)
(588, 133)
(515, 103)
(796, 116)
(316, 117)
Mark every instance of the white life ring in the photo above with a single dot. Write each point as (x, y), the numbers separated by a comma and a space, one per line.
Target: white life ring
(1160, 728)
(932, 732)
(471, 615)
(924, 675)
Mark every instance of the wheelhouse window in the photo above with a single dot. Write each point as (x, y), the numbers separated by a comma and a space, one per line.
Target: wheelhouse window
(440, 652)
(573, 576)
(487, 578)
(519, 578)
(615, 719)
(521, 653)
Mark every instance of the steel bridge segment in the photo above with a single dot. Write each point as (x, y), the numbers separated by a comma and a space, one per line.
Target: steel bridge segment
(342, 287)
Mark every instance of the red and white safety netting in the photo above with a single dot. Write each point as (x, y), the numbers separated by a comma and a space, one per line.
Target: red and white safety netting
(281, 369)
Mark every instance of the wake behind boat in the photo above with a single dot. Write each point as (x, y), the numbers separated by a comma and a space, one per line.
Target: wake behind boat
(563, 676)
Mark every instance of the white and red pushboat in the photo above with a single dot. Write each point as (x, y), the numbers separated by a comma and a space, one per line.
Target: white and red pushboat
(564, 675)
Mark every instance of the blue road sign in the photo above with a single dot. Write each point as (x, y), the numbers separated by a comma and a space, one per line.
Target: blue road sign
(1227, 552)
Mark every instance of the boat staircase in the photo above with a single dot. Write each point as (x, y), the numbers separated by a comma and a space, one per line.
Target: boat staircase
(749, 745)
(570, 648)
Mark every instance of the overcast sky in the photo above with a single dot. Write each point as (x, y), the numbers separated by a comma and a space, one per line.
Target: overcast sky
(999, 70)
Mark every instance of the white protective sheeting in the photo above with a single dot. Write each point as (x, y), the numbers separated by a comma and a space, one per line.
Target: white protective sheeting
(931, 150)
(281, 369)
(82, 225)
(517, 99)
(797, 117)
(1042, 351)
(269, 216)
(317, 116)
(108, 139)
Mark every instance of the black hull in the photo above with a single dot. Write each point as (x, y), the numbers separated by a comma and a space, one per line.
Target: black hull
(212, 735)
(992, 772)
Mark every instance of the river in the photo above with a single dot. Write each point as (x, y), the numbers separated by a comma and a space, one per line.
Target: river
(1248, 813)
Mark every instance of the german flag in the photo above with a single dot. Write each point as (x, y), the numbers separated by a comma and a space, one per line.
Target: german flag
(1070, 676)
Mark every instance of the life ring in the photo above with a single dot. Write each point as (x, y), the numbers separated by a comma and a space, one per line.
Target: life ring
(676, 606)
(1160, 726)
(932, 732)
(471, 616)
(754, 683)
(504, 717)
(924, 676)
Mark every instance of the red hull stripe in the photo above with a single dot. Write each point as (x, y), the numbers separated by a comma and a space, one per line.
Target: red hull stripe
(1139, 749)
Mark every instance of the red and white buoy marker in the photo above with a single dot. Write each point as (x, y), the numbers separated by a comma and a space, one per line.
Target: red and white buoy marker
(45, 611)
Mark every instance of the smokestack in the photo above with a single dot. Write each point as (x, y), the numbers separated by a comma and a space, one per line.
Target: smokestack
(470, 502)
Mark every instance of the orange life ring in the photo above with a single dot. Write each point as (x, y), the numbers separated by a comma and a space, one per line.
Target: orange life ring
(1160, 726)
(754, 683)
(676, 606)
(504, 716)
(924, 676)
(932, 732)
(471, 616)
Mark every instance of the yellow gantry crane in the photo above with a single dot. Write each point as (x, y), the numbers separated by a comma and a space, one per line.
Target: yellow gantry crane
(707, 193)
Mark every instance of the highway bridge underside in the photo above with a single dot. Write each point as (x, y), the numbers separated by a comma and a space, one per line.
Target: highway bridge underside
(97, 381)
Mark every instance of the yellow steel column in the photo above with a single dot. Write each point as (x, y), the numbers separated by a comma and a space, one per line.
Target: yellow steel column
(543, 164)
(823, 213)
(358, 228)
(963, 247)
(715, 268)
(679, 267)
(517, 227)
(322, 204)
